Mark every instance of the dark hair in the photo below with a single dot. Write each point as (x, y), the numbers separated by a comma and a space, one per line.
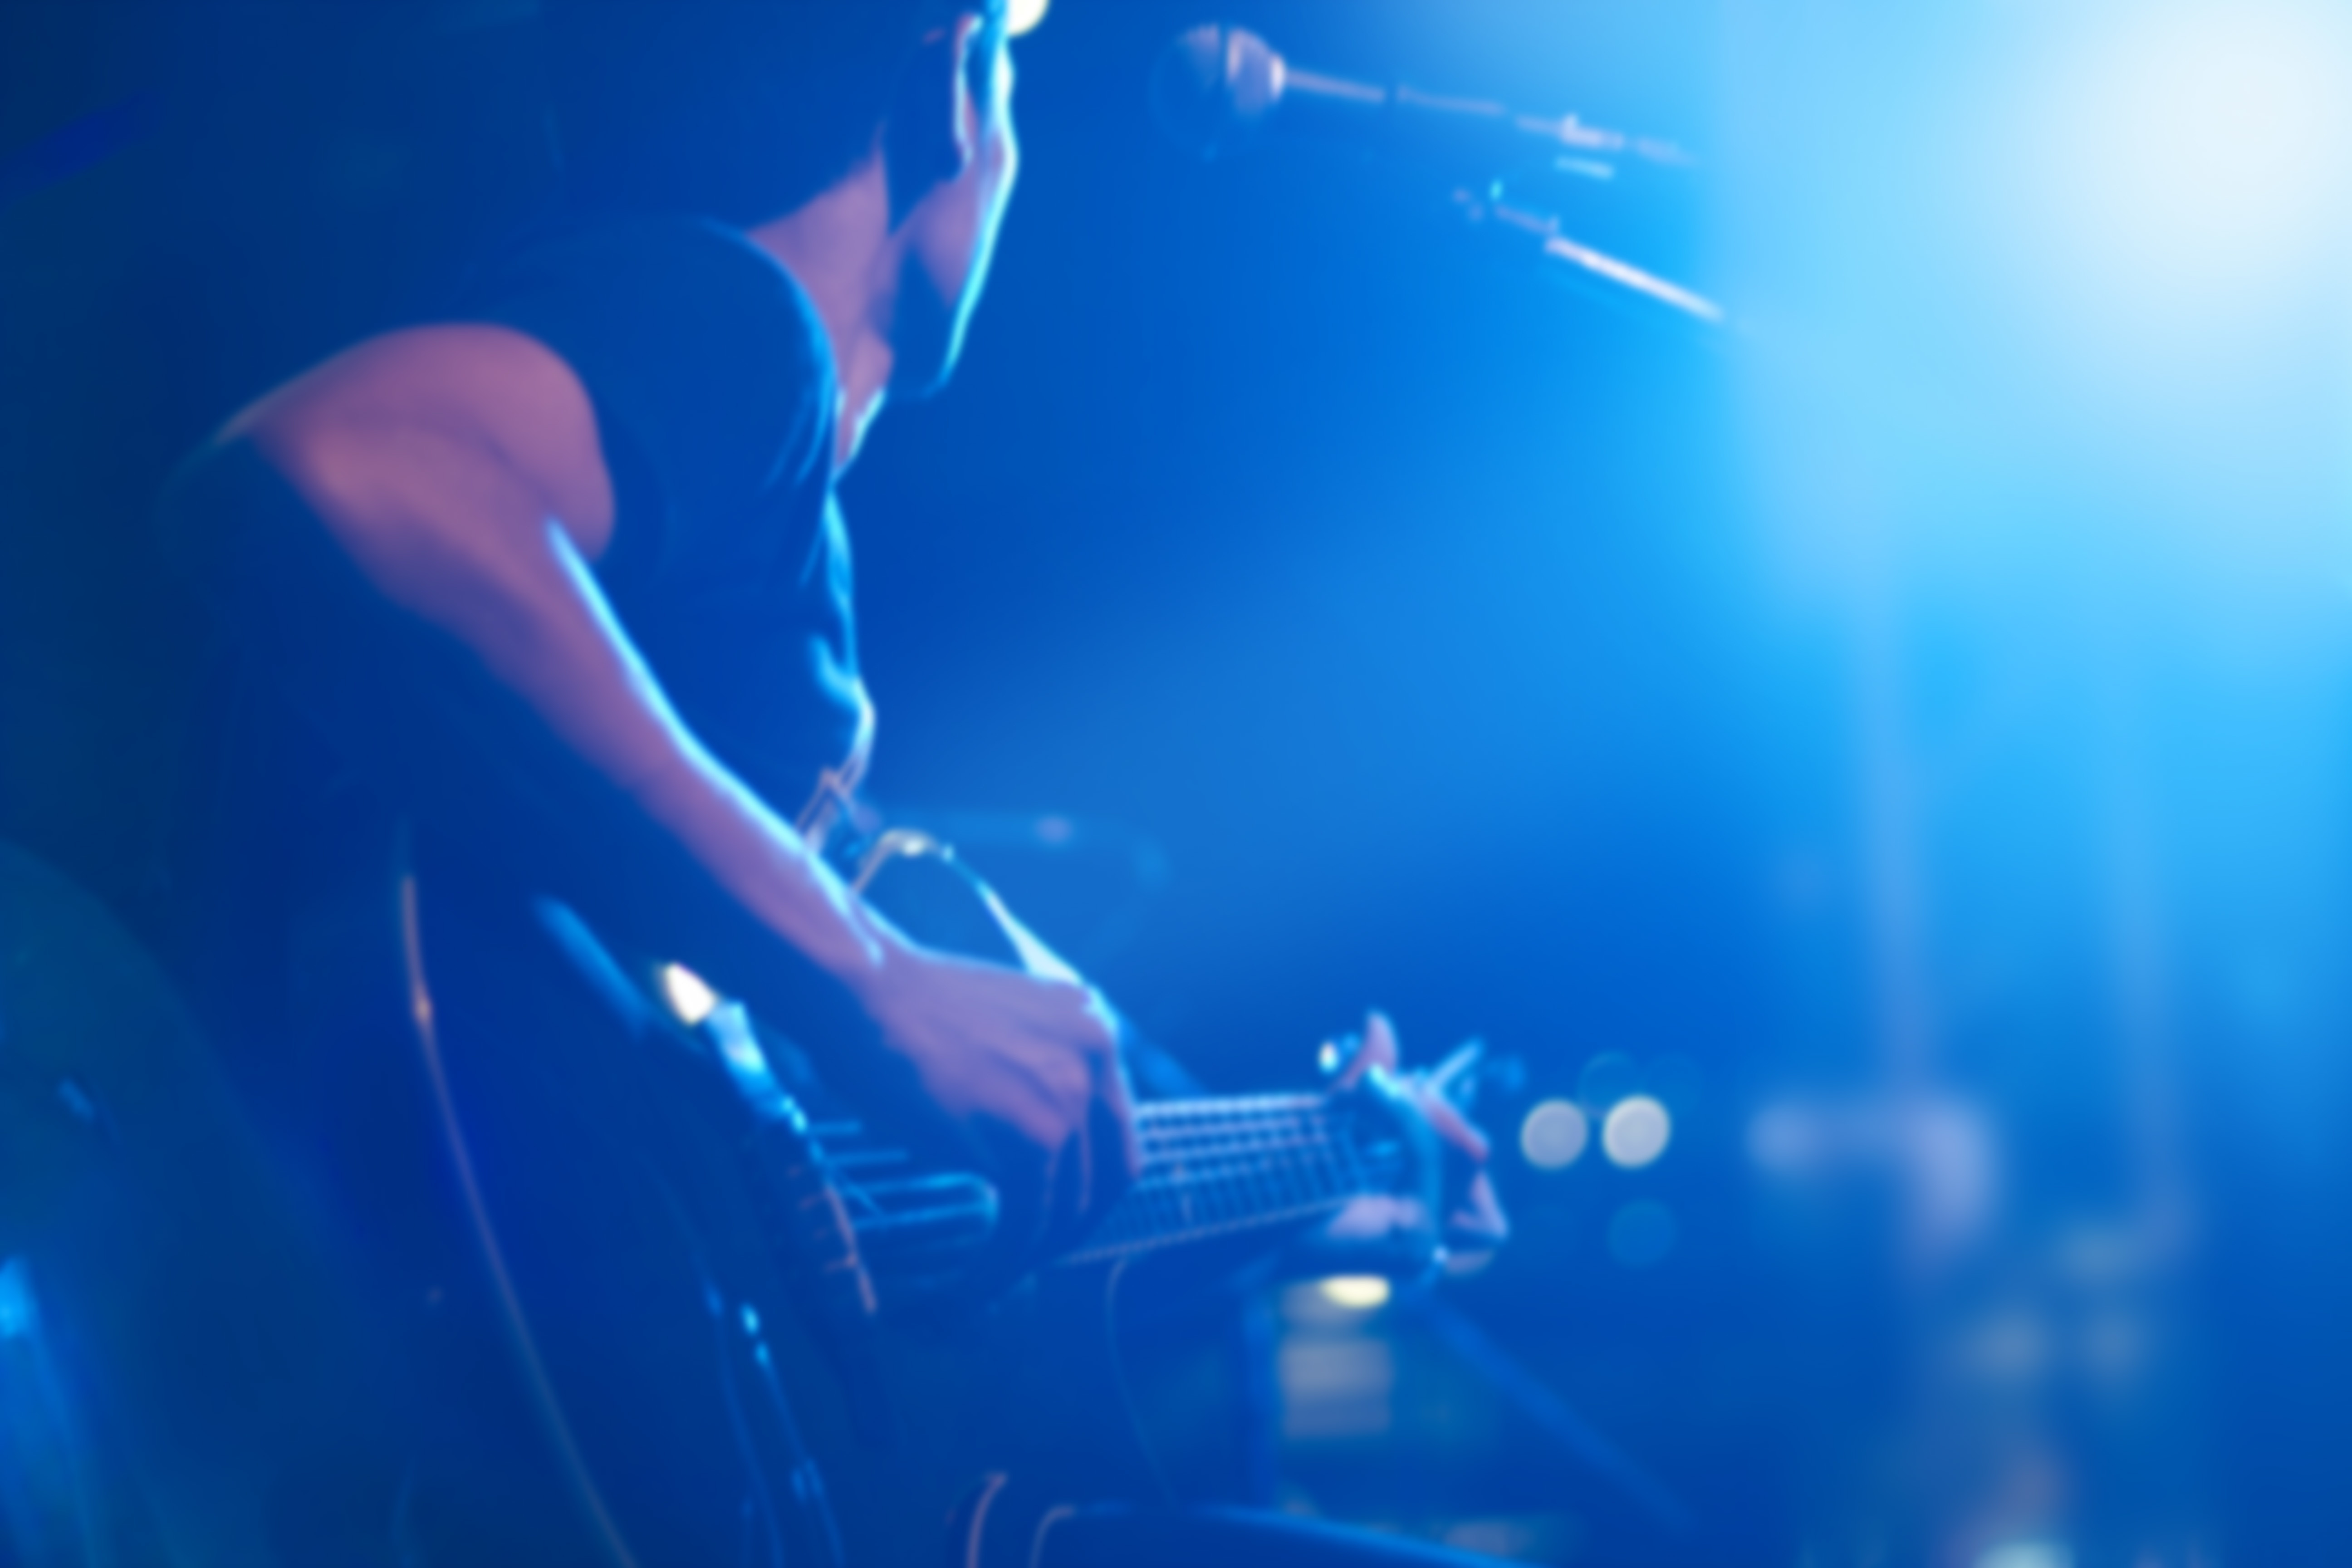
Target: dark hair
(738, 110)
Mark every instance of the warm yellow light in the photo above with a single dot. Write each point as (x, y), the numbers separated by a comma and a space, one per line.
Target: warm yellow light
(687, 995)
(1022, 16)
(1356, 1292)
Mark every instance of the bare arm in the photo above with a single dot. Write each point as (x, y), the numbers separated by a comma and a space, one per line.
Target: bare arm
(457, 469)
(458, 466)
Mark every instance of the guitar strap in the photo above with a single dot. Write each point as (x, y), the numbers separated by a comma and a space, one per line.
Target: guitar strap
(835, 799)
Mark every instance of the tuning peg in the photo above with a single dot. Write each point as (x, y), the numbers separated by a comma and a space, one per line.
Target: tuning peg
(1455, 1079)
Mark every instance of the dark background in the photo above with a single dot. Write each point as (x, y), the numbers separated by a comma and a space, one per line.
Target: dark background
(1400, 627)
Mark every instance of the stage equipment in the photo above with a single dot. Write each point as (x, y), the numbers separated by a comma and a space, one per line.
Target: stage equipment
(1218, 90)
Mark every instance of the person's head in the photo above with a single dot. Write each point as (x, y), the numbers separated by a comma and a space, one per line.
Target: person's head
(747, 110)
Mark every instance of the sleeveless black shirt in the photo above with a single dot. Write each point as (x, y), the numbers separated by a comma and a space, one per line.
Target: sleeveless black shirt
(714, 390)
(330, 712)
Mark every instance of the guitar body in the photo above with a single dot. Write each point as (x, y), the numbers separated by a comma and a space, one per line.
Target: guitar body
(605, 1358)
(605, 1352)
(1016, 1407)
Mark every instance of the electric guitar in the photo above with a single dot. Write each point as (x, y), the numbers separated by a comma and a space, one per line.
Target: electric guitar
(696, 1199)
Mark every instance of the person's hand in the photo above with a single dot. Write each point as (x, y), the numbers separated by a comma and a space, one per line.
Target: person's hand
(1028, 1066)
(1473, 1224)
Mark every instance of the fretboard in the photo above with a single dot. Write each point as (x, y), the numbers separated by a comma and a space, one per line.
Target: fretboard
(1212, 1167)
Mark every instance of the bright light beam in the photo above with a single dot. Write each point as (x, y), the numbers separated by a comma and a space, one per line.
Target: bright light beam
(1021, 17)
(2191, 161)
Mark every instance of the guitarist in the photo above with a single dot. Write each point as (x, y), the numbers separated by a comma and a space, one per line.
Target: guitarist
(559, 577)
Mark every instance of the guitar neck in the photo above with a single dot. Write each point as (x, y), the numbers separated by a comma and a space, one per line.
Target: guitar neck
(1215, 1167)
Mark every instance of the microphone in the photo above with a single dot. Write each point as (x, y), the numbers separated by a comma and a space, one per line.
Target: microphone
(1218, 89)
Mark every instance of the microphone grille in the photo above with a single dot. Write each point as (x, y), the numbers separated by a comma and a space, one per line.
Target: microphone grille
(1213, 86)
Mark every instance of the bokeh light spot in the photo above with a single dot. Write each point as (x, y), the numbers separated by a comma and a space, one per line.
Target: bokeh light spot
(690, 997)
(1642, 1232)
(1021, 17)
(1554, 1134)
(1636, 1132)
(2028, 1555)
(1606, 1080)
(1356, 1292)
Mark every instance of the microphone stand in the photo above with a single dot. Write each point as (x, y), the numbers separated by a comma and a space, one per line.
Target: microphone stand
(1582, 261)
(1215, 88)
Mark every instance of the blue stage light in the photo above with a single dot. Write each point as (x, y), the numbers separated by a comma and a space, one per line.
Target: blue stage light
(2176, 181)
(1642, 1232)
(19, 1317)
(2202, 153)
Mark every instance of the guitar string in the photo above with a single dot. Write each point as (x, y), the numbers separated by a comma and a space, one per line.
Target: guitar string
(1235, 1151)
(1343, 1176)
(1240, 1188)
(1301, 1142)
(1216, 1166)
(1247, 1164)
(1221, 1105)
(1192, 1118)
(1099, 1250)
(1256, 1124)
(1299, 1133)
(1174, 1208)
(1244, 1136)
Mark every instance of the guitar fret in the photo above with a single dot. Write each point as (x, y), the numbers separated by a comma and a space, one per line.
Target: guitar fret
(1219, 1166)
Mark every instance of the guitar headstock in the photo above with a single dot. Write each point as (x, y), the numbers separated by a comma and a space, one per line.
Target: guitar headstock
(1421, 1119)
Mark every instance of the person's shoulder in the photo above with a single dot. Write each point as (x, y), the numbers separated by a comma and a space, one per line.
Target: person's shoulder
(684, 333)
(439, 402)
